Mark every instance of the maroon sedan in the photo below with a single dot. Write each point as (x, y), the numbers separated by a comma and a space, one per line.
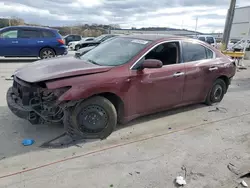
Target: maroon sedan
(118, 81)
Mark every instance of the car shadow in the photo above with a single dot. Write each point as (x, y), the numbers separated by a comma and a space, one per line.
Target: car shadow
(13, 130)
(17, 60)
(162, 114)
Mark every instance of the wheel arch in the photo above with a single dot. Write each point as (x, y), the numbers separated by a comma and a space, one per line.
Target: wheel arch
(47, 47)
(116, 101)
(225, 79)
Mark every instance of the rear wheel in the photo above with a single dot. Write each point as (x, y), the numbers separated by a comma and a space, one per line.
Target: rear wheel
(46, 53)
(94, 118)
(216, 93)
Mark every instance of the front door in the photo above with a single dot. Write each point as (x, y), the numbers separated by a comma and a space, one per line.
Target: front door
(159, 88)
(9, 42)
(30, 42)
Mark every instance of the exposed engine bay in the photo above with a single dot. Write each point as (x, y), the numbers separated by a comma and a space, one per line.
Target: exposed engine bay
(40, 103)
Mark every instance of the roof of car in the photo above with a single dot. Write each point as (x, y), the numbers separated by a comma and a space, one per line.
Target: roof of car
(153, 37)
(29, 27)
(205, 36)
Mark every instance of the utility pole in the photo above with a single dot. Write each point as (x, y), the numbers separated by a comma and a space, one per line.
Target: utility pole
(196, 24)
(228, 25)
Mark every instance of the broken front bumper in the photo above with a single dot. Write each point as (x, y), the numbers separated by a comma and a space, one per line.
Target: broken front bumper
(16, 106)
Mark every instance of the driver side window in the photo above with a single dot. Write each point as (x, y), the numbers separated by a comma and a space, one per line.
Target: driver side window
(9, 34)
(167, 52)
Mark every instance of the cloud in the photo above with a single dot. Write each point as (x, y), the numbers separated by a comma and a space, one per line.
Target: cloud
(128, 13)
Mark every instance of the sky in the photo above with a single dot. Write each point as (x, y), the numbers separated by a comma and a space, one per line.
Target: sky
(182, 14)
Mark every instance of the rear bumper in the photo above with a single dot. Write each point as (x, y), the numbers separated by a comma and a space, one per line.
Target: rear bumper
(15, 105)
(61, 50)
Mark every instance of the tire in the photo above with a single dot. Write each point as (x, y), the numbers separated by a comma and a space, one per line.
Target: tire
(94, 118)
(217, 92)
(77, 47)
(47, 53)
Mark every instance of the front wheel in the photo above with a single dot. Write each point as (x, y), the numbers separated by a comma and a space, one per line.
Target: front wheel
(92, 119)
(47, 53)
(217, 92)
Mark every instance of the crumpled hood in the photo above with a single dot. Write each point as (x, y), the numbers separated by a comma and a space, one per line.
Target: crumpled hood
(49, 69)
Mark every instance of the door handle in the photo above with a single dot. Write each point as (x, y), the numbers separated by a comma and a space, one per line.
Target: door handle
(14, 42)
(178, 74)
(213, 68)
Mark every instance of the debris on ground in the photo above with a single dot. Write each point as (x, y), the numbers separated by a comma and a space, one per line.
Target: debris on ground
(232, 168)
(185, 170)
(242, 67)
(28, 142)
(196, 175)
(169, 128)
(130, 174)
(219, 109)
(244, 183)
(1, 158)
(180, 180)
(137, 172)
(111, 185)
(8, 79)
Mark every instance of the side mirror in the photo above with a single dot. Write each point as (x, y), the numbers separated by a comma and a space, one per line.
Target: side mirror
(151, 64)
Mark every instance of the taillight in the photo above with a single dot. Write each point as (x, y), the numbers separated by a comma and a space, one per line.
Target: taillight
(61, 41)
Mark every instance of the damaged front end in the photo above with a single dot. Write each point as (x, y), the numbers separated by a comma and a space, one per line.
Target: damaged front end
(35, 102)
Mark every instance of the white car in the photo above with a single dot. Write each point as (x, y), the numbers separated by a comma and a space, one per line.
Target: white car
(72, 45)
(208, 39)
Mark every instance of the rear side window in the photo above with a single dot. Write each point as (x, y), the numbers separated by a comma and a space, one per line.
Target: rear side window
(77, 37)
(48, 34)
(209, 53)
(210, 40)
(193, 52)
(202, 39)
(70, 38)
(24, 33)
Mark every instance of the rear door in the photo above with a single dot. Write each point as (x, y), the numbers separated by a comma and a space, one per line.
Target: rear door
(9, 42)
(30, 42)
(201, 69)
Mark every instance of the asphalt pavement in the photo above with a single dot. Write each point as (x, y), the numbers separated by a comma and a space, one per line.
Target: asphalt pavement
(197, 142)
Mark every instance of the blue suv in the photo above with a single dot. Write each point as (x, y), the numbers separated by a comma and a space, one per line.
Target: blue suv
(29, 41)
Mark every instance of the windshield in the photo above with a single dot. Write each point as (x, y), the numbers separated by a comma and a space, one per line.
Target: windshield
(115, 52)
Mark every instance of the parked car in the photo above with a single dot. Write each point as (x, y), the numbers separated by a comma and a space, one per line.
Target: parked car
(208, 39)
(72, 45)
(28, 41)
(118, 81)
(96, 41)
(71, 38)
(84, 50)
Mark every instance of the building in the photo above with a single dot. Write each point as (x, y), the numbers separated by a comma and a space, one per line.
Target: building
(241, 23)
